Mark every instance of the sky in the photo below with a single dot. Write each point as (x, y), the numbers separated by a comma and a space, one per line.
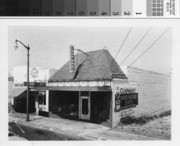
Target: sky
(49, 45)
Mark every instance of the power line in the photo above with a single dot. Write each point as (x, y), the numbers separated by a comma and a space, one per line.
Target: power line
(123, 42)
(149, 47)
(136, 45)
(119, 49)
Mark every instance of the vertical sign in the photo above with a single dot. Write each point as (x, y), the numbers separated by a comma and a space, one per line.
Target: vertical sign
(92, 7)
(126, 7)
(69, 7)
(36, 7)
(72, 62)
(139, 8)
(46, 7)
(24, 7)
(115, 7)
(81, 7)
(104, 7)
(58, 7)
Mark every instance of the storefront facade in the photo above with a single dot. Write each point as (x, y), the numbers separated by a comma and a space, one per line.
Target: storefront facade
(96, 91)
(97, 104)
(90, 87)
(81, 102)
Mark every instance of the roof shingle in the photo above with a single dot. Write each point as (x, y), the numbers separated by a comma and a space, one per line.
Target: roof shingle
(98, 65)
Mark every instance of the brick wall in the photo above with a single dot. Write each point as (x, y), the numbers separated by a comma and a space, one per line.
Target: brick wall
(154, 90)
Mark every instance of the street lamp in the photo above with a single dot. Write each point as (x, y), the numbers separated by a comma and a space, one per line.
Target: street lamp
(27, 102)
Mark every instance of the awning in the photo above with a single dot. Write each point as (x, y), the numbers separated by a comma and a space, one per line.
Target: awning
(16, 92)
(103, 89)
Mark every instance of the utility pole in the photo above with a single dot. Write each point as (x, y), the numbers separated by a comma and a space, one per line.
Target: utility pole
(27, 102)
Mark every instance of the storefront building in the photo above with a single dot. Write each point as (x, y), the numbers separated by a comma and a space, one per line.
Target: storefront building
(38, 78)
(92, 87)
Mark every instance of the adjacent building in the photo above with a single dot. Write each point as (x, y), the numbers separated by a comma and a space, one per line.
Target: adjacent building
(18, 87)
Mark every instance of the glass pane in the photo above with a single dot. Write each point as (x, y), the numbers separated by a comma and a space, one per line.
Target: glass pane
(85, 106)
(42, 97)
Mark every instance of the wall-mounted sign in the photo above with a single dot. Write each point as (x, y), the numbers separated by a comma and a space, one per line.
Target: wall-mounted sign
(35, 84)
(117, 103)
(125, 99)
(34, 72)
(125, 90)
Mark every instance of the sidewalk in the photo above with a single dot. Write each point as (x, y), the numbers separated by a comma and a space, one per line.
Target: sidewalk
(75, 129)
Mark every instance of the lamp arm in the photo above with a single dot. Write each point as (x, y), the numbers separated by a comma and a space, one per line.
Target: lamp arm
(27, 47)
(82, 51)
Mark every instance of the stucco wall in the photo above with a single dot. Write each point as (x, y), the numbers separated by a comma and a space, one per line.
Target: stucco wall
(117, 83)
(154, 91)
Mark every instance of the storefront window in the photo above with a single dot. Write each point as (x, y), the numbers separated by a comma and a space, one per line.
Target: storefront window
(42, 98)
(66, 103)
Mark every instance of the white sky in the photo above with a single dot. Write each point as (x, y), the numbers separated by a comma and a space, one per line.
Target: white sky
(50, 45)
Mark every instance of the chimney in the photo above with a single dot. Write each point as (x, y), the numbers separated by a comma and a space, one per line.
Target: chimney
(72, 60)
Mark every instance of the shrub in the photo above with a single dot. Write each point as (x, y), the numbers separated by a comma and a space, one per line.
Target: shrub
(127, 120)
(10, 108)
(164, 114)
(137, 120)
(143, 119)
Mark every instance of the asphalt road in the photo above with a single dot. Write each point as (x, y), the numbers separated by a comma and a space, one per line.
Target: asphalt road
(42, 128)
(34, 134)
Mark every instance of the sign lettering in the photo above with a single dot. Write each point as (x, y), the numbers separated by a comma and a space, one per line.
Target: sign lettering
(35, 84)
(125, 98)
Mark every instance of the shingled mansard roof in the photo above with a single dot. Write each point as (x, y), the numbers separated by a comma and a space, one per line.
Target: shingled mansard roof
(98, 65)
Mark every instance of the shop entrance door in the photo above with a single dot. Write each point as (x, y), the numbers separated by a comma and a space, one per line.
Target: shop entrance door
(85, 107)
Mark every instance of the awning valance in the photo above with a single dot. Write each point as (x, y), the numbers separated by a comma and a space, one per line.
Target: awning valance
(73, 88)
(16, 92)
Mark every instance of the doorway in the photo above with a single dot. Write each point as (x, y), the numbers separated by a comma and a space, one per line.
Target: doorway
(84, 107)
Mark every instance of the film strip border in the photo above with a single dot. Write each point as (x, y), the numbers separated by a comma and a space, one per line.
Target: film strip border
(109, 8)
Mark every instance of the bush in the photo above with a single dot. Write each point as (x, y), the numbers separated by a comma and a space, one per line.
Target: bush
(137, 120)
(164, 114)
(127, 120)
(143, 119)
(10, 108)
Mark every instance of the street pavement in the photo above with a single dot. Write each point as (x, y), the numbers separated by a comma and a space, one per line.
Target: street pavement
(76, 130)
(16, 138)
